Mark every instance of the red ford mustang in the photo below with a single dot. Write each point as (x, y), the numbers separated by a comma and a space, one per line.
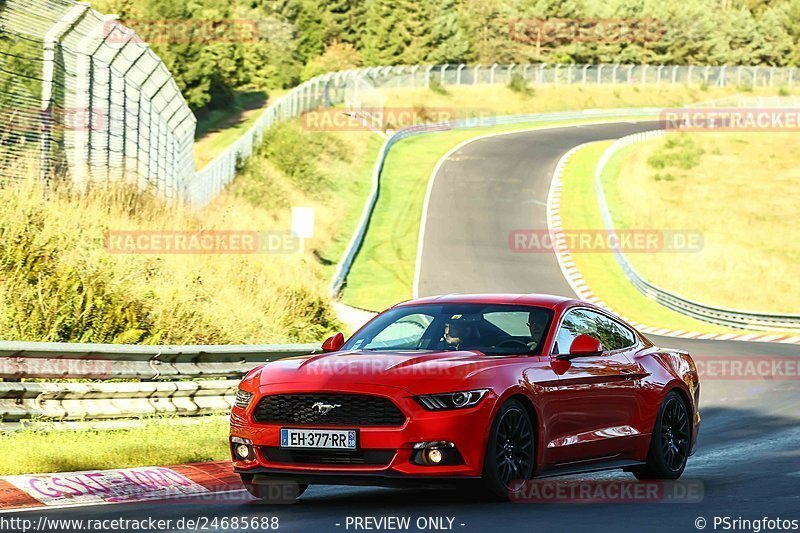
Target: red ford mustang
(444, 390)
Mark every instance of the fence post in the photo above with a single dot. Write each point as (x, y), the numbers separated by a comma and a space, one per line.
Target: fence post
(525, 71)
(584, 73)
(674, 74)
(541, 72)
(428, 70)
(441, 74)
(84, 100)
(570, 68)
(475, 75)
(614, 73)
(658, 74)
(555, 73)
(599, 73)
(51, 40)
(491, 74)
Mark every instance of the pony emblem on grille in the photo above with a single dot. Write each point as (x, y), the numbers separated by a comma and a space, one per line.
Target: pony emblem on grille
(324, 408)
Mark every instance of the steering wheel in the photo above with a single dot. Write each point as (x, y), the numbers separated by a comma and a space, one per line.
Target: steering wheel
(511, 343)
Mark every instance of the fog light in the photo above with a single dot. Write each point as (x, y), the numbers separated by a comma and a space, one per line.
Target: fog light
(242, 451)
(435, 455)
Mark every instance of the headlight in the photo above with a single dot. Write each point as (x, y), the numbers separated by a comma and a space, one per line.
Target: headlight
(452, 400)
(243, 398)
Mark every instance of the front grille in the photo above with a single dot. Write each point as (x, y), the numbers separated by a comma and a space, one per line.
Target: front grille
(329, 457)
(353, 410)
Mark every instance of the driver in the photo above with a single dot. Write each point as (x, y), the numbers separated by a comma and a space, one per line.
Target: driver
(537, 322)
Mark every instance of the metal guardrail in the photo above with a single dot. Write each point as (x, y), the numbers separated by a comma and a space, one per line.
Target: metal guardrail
(343, 269)
(164, 369)
(731, 318)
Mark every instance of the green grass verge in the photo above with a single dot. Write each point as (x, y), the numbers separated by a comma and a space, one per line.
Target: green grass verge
(221, 128)
(158, 442)
(736, 189)
(387, 257)
(349, 197)
(580, 211)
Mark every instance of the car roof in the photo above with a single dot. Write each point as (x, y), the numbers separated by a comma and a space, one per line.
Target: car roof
(542, 300)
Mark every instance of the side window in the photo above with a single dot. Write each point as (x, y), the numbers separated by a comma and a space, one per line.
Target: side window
(577, 322)
(611, 334)
(619, 336)
(405, 333)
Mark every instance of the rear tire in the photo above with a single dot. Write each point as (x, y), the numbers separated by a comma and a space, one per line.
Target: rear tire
(273, 491)
(510, 452)
(670, 441)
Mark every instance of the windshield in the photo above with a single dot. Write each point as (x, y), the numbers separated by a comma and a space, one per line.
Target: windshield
(489, 328)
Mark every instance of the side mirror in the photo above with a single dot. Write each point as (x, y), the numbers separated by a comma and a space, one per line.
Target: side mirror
(334, 343)
(583, 346)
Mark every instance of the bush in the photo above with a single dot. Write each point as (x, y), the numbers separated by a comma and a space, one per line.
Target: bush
(518, 84)
(678, 151)
(435, 85)
(296, 153)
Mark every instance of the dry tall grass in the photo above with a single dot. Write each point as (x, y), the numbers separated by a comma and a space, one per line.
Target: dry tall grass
(58, 282)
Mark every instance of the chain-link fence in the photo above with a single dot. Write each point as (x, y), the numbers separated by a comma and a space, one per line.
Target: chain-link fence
(345, 88)
(84, 97)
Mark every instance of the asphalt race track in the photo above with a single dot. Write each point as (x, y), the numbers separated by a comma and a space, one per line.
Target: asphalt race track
(748, 460)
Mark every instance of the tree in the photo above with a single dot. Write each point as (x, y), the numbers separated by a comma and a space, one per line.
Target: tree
(398, 32)
(345, 21)
(449, 43)
(338, 56)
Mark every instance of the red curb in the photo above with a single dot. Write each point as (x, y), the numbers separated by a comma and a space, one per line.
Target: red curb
(13, 498)
(197, 482)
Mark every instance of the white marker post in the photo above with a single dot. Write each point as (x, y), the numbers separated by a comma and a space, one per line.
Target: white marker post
(303, 224)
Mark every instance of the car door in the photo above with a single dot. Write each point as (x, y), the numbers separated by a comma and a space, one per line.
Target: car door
(594, 401)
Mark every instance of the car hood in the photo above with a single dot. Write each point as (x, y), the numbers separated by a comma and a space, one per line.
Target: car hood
(414, 371)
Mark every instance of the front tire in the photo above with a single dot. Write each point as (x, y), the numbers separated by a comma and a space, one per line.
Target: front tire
(670, 441)
(273, 491)
(510, 452)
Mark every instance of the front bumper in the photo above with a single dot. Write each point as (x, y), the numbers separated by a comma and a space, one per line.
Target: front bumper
(465, 428)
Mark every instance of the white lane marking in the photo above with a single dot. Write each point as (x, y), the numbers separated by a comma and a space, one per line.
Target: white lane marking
(459, 146)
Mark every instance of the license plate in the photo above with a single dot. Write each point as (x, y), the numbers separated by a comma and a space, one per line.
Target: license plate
(330, 439)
